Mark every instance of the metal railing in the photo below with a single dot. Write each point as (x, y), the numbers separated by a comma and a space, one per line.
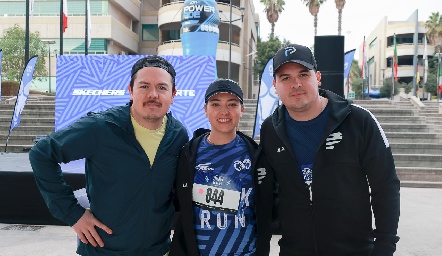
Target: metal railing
(179, 41)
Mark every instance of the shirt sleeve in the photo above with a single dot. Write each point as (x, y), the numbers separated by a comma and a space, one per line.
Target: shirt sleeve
(378, 164)
(75, 142)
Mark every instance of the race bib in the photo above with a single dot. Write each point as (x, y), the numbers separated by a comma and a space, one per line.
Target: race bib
(216, 198)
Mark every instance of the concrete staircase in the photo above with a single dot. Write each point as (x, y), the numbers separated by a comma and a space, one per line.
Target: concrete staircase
(414, 133)
(37, 118)
(415, 138)
(247, 122)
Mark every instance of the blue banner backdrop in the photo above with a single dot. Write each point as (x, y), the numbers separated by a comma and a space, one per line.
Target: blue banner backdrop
(23, 91)
(348, 60)
(267, 99)
(98, 82)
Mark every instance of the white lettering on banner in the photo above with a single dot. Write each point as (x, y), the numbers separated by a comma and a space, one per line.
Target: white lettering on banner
(185, 93)
(82, 92)
(199, 8)
(194, 11)
(191, 15)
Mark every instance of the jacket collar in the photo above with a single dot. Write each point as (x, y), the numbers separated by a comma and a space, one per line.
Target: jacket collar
(200, 133)
(339, 109)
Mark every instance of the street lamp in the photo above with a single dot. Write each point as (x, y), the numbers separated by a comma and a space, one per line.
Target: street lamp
(383, 75)
(48, 43)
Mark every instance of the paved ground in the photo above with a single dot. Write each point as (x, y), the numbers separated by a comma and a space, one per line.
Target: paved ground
(420, 227)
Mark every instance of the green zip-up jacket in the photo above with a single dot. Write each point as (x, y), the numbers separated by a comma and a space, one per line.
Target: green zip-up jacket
(126, 193)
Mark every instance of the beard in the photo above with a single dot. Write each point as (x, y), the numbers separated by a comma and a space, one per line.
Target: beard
(152, 118)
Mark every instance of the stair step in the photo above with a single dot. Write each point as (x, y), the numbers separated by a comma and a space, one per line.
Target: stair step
(421, 184)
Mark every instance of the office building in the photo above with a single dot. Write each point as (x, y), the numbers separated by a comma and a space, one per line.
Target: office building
(141, 27)
(380, 50)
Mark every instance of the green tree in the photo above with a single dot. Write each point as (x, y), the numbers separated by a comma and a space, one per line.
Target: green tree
(355, 78)
(273, 8)
(356, 86)
(13, 46)
(385, 90)
(407, 87)
(430, 85)
(355, 70)
(434, 29)
(266, 50)
(313, 7)
(339, 5)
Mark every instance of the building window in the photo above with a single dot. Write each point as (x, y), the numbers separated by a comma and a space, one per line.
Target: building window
(52, 8)
(150, 32)
(373, 43)
(174, 35)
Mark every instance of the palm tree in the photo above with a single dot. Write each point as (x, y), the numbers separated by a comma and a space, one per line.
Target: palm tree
(313, 7)
(434, 29)
(273, 8)
(340, 5)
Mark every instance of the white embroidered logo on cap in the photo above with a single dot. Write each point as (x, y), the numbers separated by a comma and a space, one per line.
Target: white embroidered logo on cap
(289, 50)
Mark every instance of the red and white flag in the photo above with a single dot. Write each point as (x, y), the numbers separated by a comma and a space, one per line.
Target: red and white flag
(65, 15)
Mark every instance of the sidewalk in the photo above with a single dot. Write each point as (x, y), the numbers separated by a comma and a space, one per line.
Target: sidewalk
(420, 229)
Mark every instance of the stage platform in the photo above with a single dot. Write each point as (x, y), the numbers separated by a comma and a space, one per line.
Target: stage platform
(20, 198)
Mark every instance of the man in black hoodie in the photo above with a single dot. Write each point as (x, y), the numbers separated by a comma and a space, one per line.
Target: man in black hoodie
(333, 164)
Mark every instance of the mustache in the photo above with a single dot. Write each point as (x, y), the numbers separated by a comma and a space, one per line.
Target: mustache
(152, 102)
(297, 91)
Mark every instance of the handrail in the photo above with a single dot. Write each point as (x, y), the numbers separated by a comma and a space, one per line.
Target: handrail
(179, 40)
(171, 3)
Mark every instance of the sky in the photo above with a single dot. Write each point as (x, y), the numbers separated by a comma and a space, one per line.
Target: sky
(359, 18)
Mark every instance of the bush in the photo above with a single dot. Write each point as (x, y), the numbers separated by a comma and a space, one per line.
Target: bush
(10, 88)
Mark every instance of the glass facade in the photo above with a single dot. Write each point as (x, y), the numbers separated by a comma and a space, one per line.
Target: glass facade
(46, 8)
(150, 32)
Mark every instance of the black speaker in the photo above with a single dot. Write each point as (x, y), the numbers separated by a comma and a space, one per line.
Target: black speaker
(329, 55)
(21, 201)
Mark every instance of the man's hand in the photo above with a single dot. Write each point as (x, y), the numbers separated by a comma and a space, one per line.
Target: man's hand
(85, 229)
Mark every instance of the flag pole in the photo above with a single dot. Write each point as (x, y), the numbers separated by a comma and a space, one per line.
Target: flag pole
(85, 29)
(27, 33)
(13, 113)
(362, 91)
(392, 78)
(61, 27)
(368, 80)
(438, 80)
(415, 39)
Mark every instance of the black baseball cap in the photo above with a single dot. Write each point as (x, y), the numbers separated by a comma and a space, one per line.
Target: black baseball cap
(294, 53)
(154, 61)
(223, 85)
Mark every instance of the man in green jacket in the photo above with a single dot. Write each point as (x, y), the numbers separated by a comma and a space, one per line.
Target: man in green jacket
(131, 155)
